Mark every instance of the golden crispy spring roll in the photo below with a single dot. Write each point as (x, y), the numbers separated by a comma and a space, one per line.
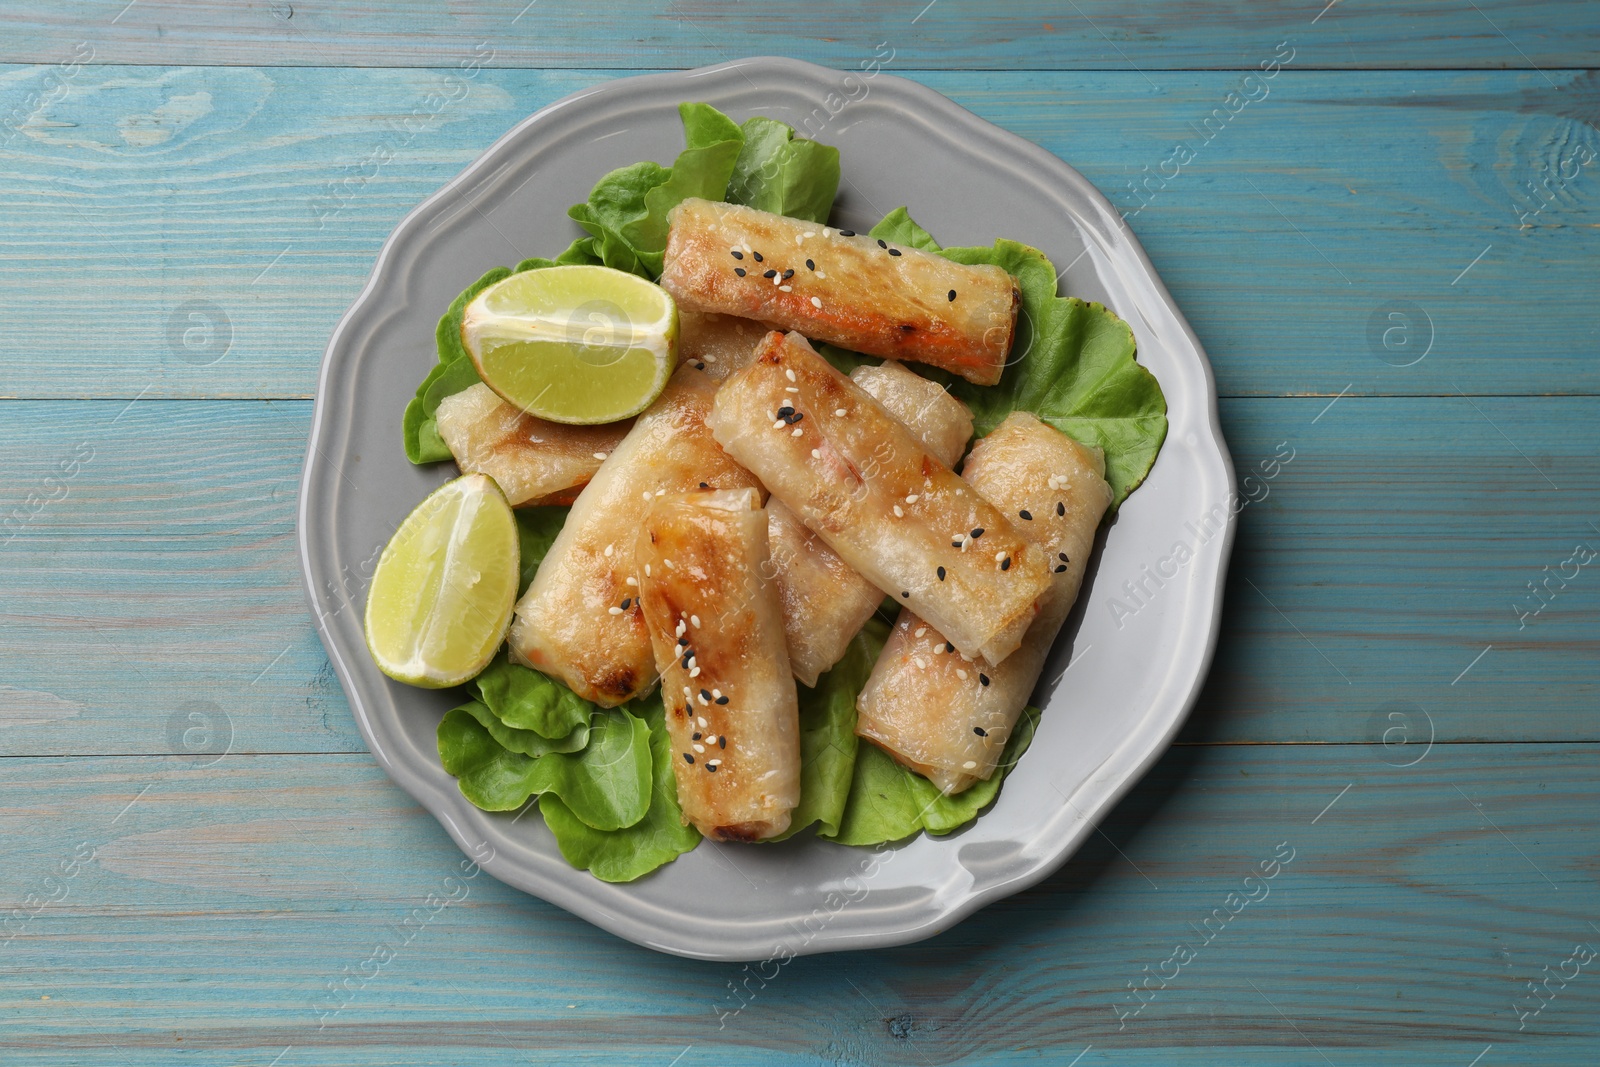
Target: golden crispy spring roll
(716, 629)
(825, 602)
(531, 460)
(940, 421)
(717, 344)
(579, 621)
(857, 476)
(932, 709)
(834, 285)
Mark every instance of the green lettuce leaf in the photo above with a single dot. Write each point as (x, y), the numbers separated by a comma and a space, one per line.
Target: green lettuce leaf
(607, 785)
(626, 213)
(898, 227)
(536, 531)
(889, 803)
(623, 855)
(828, 739)
(526, 700)
(525, 742)
(787, 175)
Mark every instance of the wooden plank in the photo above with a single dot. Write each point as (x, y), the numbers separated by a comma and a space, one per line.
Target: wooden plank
(1374, 568)
(1407, 909)
(193, 205)
(1036, 35)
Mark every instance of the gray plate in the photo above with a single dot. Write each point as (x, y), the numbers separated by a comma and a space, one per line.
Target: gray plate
(1119, 683)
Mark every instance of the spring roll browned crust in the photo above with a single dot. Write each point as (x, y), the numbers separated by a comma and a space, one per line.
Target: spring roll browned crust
(825, 602)
(717, 344)
(940, 421)
(831, 285)
(857, 476)
(531, 460)
(717, 633)
(579, 621)
(932, 709)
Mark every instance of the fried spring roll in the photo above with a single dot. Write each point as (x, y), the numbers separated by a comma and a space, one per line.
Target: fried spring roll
(940, 421)
(580, 621)
(718, 344)
(932, 709)
(531, 460)
(857, 476)
(825, 602)
(718, 638)
(833, 285)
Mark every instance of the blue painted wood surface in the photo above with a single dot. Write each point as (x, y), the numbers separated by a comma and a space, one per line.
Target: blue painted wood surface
(197, 851)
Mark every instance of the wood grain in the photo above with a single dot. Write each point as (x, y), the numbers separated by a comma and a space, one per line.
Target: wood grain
(168, 230)
(1372, 569)
(222, 901)
(944, 34)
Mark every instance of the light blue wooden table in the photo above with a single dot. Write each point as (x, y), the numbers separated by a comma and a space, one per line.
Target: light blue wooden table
(1390, 252)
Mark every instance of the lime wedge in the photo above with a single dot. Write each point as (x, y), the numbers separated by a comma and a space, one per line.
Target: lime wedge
(575, 344)
(441, 596)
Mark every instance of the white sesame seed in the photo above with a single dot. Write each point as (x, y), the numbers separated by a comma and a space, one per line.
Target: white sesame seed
(694, 661)
(840, 412)
(898, 513)
(687, 691)
(716, 692)
(609, 550)
(613, 609)
(967, 766)
(912, 499)
(701, 719)
(681, 628)
(694, 620)
(938, 650)
(647, 570)
(661, 492)
(921, 663)
(711, 739)
(821, 275)
(709, 359)
(703, 702)
(797, 432)
(780, 424)
(776, 280)
(671, 564)
(785, 288)
(810, 233)
(961, 674)
(600, 455)
(816, 453)
(701, 748)
(998, 556)
(790, 389)
(789, 373)
(647, 494)
(827, 231)
(713, 763)
(632, 580)
(920, 631)
(694, 672)
(816, 301)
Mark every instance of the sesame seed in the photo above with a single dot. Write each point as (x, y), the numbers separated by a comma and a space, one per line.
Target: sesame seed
(847, 233)
(688, 758)
(826, 232)
(905, 595)
(920, 631)
(980, 731)
(736, 254)
(785, 411)
(898, 513)
(938, 650)
(816, 453)
(703, 485)
(694, 736)
(1062, 556)
(789, 373)
(998, 556)
(977, 531)
(785, 288)
(609, 550)
(627, 602)
(770, 274)
(798, 239)
(951, 295)
(790, 389)
(701, 722)
(779, 424)
(694, 620)
(1005, 564)
(757, 256)
(699, 747)
(705, 694)
(797, 432)
(712, 765)
(969, 765)
(721, 700)
(1026, 514)
(1061, 509)
(983, 679)
(710, 359)
(740, 271)
(1060, 567)
(699, 365)
(912, 499)
(600, 455)
(788, 274)
(810, 233)
(810, 265)
(894, 251)
(921, 663)
(661, 492)
(840, 412)
(614, 610)
(816, 302)
(778, 282)
(681, 628)
(941, 574)
(722, 742)
(684, 663)
(683, 641)
(948, 647)
(694, 661)
(820, 275)
(632, 580)
(961, 674)
(882, 243)
(694, 672)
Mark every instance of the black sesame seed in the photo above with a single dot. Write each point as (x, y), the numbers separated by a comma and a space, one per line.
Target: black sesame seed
(686, 657)
(770, 274)
(1026, 514)
(847, 233)
(980, 731)
(757, 255)
(796, 417)
(882, 243)
(739, 271)
(720, 700)
(1062, 556)
(703, 485)
(951, 295)
(687, 758)
(941, 574)
(894, 251)
(977, 531)
(810, 265)
(737, 254)
(788, 274)
(785, 411)
(705, 694)
(627, 602)
(905, 594)
(983, 679)
(1005, 564)
(694, 737)
(948, 647)
(722, 742)
(1060, 567)
(683, 641)
(712, 767)
(955, 544)
(1061, 509)
(699, 366)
